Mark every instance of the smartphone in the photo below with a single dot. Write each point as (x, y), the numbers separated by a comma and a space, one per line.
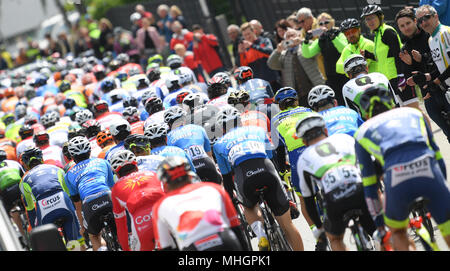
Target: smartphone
(317, 32)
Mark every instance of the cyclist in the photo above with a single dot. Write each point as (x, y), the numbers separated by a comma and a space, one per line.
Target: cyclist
(329, 163)
(90, 129)
(67, 157)
(155, 108)
(193, 216)
(83, 116)
(119, 131)
(104, 141)
(131, 114)
(194, 141)
(89, 183)
(46, 196)
(8, 145)
(339, 119)
(26, 134)
(52, 154)
(11, 172)
(401, 140)
(356, 43)
(134, 194)
(245, 152)
(157, 134)
(242, 74)
(217, 91)
(139, 145)
(104, 116)
(173, 83)
(355, 67)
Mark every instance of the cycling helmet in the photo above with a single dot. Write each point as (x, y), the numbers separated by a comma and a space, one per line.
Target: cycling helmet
(142, 82)
(131, 114)
(65, 150)
(115, 96)
(41, 138)
(122, 158)
(49, 119)
(20, 111)
(122, 76)
(64, 86)
(40, 81)
(101, 107)
(320, 95)
(186, 77)
(91, 128)
(371, 9)
(156, 130)
(349, 24)
(114, 65)
(130, 101)
(174, 61)
(30, 155)
(173, 113)
(375, 100)
(352, 63)
(79, 145)
(226, 115)
(154, 74)
(243, 74)
(74, 132)
(3, 155)
(69, 103)
(174, 169)
(136, 140)
(181, 96)
(285, 93)
(311, 121)
(225, 76)
(147, 95)
(108, 84)
(158, 59)
(123, 59)
(193, 99)
(120, 128)
(30, 119)
(173, 82)
(133, 71)
(103, 137)
(153, 105)
(8, 119)
(240, 96)
(26, 131)
(216, 87)
(99, 72)
(83, 116)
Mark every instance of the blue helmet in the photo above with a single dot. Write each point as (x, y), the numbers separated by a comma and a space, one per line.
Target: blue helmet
(285, 93)
(108, 84)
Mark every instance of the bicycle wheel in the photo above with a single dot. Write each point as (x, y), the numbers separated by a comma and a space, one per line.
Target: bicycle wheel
(282, 243)
(245, 227)
(427, 223)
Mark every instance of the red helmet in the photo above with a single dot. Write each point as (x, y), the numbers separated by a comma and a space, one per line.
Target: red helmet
(181, 96)
(243, 74)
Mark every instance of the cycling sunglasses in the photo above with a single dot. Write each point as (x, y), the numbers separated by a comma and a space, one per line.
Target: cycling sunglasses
(424, 18)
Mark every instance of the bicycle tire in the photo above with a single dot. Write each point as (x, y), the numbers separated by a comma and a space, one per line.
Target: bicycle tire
(245, 227)
(427, 223)
(280, 236)
(364, 238)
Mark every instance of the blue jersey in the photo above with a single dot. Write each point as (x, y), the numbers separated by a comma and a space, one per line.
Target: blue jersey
(241, 144)
(192, 139)
(167, 151)
(149, 162)
(120, 146)
(341, 120)
(89, 177)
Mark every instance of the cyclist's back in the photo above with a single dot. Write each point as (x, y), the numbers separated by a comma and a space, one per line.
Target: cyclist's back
(341, 120)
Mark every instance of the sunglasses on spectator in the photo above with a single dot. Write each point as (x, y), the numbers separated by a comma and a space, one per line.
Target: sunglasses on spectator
(424, 18)
(324, 23)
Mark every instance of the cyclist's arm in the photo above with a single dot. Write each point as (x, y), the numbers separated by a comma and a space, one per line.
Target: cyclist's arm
(369, 179)
(110, 179)
(121, 222)
(310, 50)
(62, 181)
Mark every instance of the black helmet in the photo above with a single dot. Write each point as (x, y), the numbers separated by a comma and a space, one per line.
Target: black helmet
(26, 131)
(371, 9)
(30, 155)
(41, 138)
(91, 128)
(136, 140)
(154, 74)
(108, 84)
(375, 100)
(64, 86)
(153, 105)
(3, 155)
(349, 24)
(216, 87)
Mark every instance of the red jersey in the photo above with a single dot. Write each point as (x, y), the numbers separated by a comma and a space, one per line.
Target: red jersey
(137, 127)
(136, 194)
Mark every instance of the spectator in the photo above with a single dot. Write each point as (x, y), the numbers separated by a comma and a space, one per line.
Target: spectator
(135, 19)
(189, 61)
(259, 31)
(66, 46)
(180, 36)
(53, 46)
(297, 72)
(330, 44)
(442, 8)
(293, 22)
(148, 41)
(206, 50)
(106, 28)
(254, 52)
(280, 29)
(140, 9)
(177, 15)
(234, 33)
(22, 58)
(165, 22)
(308, 22)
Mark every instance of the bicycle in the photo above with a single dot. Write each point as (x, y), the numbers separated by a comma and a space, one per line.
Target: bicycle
(26, 228)
(360, 236)
(109, 232)
(422, 226)
(74, 245)
(275, 234)
(245, 227)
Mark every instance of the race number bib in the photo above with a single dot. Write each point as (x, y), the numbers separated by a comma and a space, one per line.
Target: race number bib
(196, 152)
(246, 148)
(341, 176)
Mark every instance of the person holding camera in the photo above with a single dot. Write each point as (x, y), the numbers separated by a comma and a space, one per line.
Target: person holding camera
(330, 43)
(297, 72)
(206, 49)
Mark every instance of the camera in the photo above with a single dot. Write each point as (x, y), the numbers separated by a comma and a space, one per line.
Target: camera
(288, 43)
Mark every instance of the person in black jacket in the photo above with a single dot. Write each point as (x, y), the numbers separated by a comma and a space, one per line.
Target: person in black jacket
(416, 62)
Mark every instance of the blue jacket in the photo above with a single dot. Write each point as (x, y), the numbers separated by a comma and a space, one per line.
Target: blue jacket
(442, 7)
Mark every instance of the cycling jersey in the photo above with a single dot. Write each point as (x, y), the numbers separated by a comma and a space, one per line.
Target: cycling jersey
(241, 144)
(192, 213)
(95, 148)
(53, 155)
(439, 42)
(355, 87)
(192, 139)
(341, 120)
(108, 118)
(9, 146)
(102, 154)
(219, 101)
(167, 151)
(23, 145)
(11, 173)
(137, 127)
(256, 118)
(59, 133)
(89, 177)
(149, 162)
(77, 96)
(136, 194)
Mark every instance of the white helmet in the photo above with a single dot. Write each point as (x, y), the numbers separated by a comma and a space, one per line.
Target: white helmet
(50, 118)
(119, 126)
(83, 115)
(353, 61)
(173, 81)
(156, 130)
(185, 76)
(122, 158)
(313, 120)
(226, 114)
(79, 145)
(319, 93)
(194, 99)
(173, 113)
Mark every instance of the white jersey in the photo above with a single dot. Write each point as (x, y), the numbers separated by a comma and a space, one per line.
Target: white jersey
(331, 164)
(353, 89)
(440, 48)
(59, 133)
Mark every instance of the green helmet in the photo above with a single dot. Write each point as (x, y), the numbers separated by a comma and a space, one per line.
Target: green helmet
(158, 59)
